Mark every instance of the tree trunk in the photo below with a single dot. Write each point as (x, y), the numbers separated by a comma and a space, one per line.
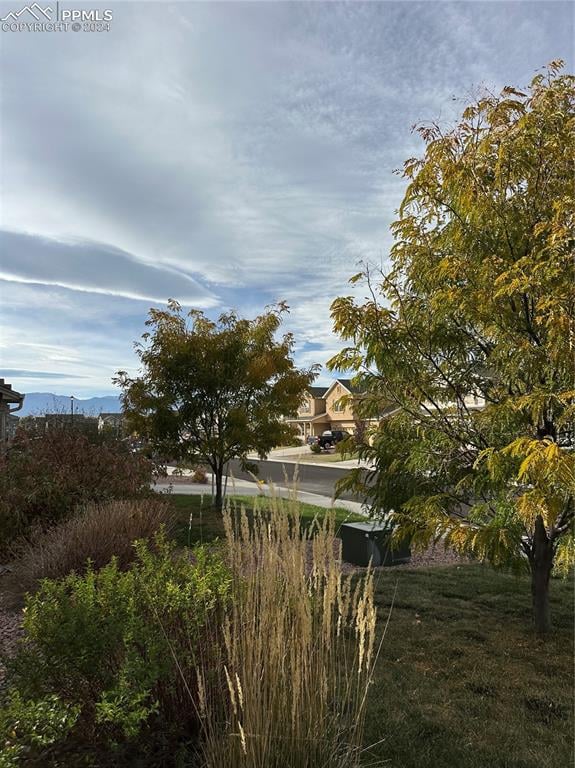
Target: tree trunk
(218, 478)
(541, 566)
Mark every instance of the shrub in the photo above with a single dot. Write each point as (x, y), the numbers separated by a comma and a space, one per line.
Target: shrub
(121, 650)
(44, 476)
(200, 476)
(97, 533)
(199, 473)
(32, 726)
(315, 448)
(298, 648)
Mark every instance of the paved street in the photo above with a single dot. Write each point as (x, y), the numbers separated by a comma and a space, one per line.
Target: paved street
(311, 478)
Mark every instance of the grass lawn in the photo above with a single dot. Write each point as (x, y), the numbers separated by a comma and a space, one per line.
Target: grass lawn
(325, 457)
(462, 682)
(206, 522)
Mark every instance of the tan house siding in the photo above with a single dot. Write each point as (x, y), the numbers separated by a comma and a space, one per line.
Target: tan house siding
(312, 406)
(346, 426)
(311, 411)
(335, 408)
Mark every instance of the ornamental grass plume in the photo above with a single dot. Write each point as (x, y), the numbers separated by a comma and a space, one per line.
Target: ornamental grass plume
(297, 650)
(96, 533)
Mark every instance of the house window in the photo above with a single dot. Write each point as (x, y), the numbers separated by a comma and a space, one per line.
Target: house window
(338, 405)
(305, 407)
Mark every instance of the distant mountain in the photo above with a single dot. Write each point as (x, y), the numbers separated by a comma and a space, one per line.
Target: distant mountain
(39, 403)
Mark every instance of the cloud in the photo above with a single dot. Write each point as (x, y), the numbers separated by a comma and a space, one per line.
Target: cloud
(95, 267)
(34, 374)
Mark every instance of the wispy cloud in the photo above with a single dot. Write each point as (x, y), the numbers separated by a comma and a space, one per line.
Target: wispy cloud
(34, 375)
(95, 267)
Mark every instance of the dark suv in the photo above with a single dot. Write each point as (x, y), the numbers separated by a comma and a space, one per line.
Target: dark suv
(331, 437)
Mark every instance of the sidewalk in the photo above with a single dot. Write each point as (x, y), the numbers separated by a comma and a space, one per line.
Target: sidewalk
(349, 464)
(260, 488)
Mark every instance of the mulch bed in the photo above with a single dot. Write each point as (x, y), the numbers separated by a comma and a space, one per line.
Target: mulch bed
(432, 557)
(10, 631)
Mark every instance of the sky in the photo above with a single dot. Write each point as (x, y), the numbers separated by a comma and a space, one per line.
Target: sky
(227, 155)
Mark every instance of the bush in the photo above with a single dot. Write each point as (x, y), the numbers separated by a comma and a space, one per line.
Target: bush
(200, 476)
(43, 477)
(97, 533)
(32, 726)
(265, 661)
(199, 473)
(315, 448)
(121, 650)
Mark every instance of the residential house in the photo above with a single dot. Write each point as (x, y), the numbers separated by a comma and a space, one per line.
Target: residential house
(12, 426)
(111, 422)
(324, 408)
(339, 405)
(8, 397)
(50, 421)
(333, 408)
(311, 413)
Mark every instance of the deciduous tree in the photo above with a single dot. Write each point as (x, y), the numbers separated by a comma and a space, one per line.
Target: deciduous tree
(471, 336)
(211, 391)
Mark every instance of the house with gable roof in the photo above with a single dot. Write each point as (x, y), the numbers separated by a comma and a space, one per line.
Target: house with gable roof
(326, 408)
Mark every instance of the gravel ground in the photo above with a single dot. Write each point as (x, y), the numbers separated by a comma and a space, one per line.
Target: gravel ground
(430, 558)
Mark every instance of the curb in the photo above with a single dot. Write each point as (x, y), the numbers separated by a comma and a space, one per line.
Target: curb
(328, 465)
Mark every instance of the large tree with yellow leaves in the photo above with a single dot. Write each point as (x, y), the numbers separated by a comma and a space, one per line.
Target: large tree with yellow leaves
(470, 335)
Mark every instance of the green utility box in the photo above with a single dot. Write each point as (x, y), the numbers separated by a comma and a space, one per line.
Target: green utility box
(362, 542)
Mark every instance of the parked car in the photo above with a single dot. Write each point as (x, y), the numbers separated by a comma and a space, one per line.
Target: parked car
(330, 437)
(312, 439)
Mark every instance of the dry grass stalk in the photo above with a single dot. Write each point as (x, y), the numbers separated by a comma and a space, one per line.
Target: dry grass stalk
(97, 532)
(298, 647)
